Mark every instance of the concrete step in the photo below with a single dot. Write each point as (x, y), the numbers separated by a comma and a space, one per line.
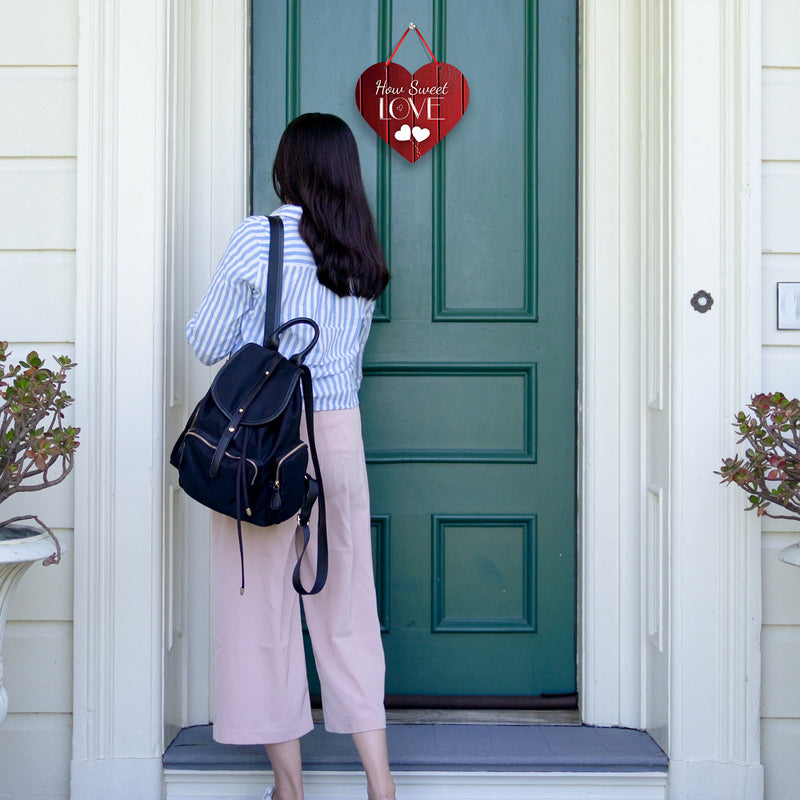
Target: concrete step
(326, 785)
(437, 762)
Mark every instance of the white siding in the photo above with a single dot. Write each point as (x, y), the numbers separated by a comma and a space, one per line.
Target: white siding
(38, 78)
(35, 755)
(48, 315)
(37, 203)
(39, 108)
(781, 23)
(781, 371)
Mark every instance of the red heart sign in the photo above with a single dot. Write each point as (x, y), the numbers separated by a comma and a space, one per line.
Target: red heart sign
(412, 113)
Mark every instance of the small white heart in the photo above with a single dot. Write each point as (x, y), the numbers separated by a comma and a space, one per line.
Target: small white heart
(420, 134)
(404, 134)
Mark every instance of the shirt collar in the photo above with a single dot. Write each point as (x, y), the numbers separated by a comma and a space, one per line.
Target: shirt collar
(289, 211)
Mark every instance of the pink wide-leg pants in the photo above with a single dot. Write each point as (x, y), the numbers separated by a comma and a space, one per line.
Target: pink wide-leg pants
(261, 691)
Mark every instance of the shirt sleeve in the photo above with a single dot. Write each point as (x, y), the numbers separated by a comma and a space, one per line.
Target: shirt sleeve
(215, 328)
(363, 335)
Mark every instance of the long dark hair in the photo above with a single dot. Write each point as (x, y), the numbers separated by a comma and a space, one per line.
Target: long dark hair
(317, 168)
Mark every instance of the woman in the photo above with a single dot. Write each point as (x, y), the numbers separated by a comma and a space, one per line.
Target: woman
(333, 272)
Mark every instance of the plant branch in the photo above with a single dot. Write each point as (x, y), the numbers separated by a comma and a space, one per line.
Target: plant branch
(769, 471)
(33, 439)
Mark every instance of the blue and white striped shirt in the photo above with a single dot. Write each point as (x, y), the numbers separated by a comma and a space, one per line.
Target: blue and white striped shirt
(233, 310)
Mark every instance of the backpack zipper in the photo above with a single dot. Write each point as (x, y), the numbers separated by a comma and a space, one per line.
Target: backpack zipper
(228, 455)
(276, 484)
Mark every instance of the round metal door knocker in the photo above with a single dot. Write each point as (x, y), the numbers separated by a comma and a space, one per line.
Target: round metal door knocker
(702, 301)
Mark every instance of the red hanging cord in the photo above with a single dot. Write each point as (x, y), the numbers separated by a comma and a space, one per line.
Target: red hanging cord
(411, 27)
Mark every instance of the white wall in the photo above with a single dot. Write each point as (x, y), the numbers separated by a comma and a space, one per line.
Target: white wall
(781, 372)
(38, 82)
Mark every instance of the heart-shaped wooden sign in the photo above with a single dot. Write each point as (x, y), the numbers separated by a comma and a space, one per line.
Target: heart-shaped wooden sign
(412, 113)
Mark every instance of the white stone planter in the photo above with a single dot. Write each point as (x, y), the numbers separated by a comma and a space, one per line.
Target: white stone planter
(16, 555)
(790, 554)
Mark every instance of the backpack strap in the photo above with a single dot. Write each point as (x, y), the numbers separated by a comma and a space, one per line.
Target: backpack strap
(314, 491)
(314, 488)
(274, 276)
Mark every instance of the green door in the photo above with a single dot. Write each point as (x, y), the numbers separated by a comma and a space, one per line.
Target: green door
(469, 388)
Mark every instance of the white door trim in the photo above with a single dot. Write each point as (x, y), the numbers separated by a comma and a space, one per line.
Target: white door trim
(670, 204)
(715, 675)
(610, 353)
(162, 180)
(121, 202)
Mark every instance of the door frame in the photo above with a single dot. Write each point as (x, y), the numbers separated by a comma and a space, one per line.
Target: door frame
(670, 561)
(162, 178)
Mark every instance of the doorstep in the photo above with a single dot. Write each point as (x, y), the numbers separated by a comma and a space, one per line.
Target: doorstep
(442, 761)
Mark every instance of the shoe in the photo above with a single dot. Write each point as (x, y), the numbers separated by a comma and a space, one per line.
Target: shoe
(268, 792)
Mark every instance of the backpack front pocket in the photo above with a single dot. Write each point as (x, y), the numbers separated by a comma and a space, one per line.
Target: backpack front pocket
(286, 487)
(219, 492)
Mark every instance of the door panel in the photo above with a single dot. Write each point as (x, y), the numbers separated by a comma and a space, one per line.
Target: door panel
(468, 398)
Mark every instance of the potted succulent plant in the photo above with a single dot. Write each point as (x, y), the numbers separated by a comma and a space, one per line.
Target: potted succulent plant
(769, 470)
(36, 451)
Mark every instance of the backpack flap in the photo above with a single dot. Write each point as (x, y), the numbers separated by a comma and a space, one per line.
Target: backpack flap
(237, 387)
(239, 392)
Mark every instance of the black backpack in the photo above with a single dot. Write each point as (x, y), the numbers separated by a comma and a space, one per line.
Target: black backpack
(241, 453)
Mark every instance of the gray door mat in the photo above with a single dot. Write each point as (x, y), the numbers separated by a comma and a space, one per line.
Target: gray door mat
(442, 747)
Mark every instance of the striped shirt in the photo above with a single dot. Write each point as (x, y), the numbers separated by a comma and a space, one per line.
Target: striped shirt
(233, 310)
